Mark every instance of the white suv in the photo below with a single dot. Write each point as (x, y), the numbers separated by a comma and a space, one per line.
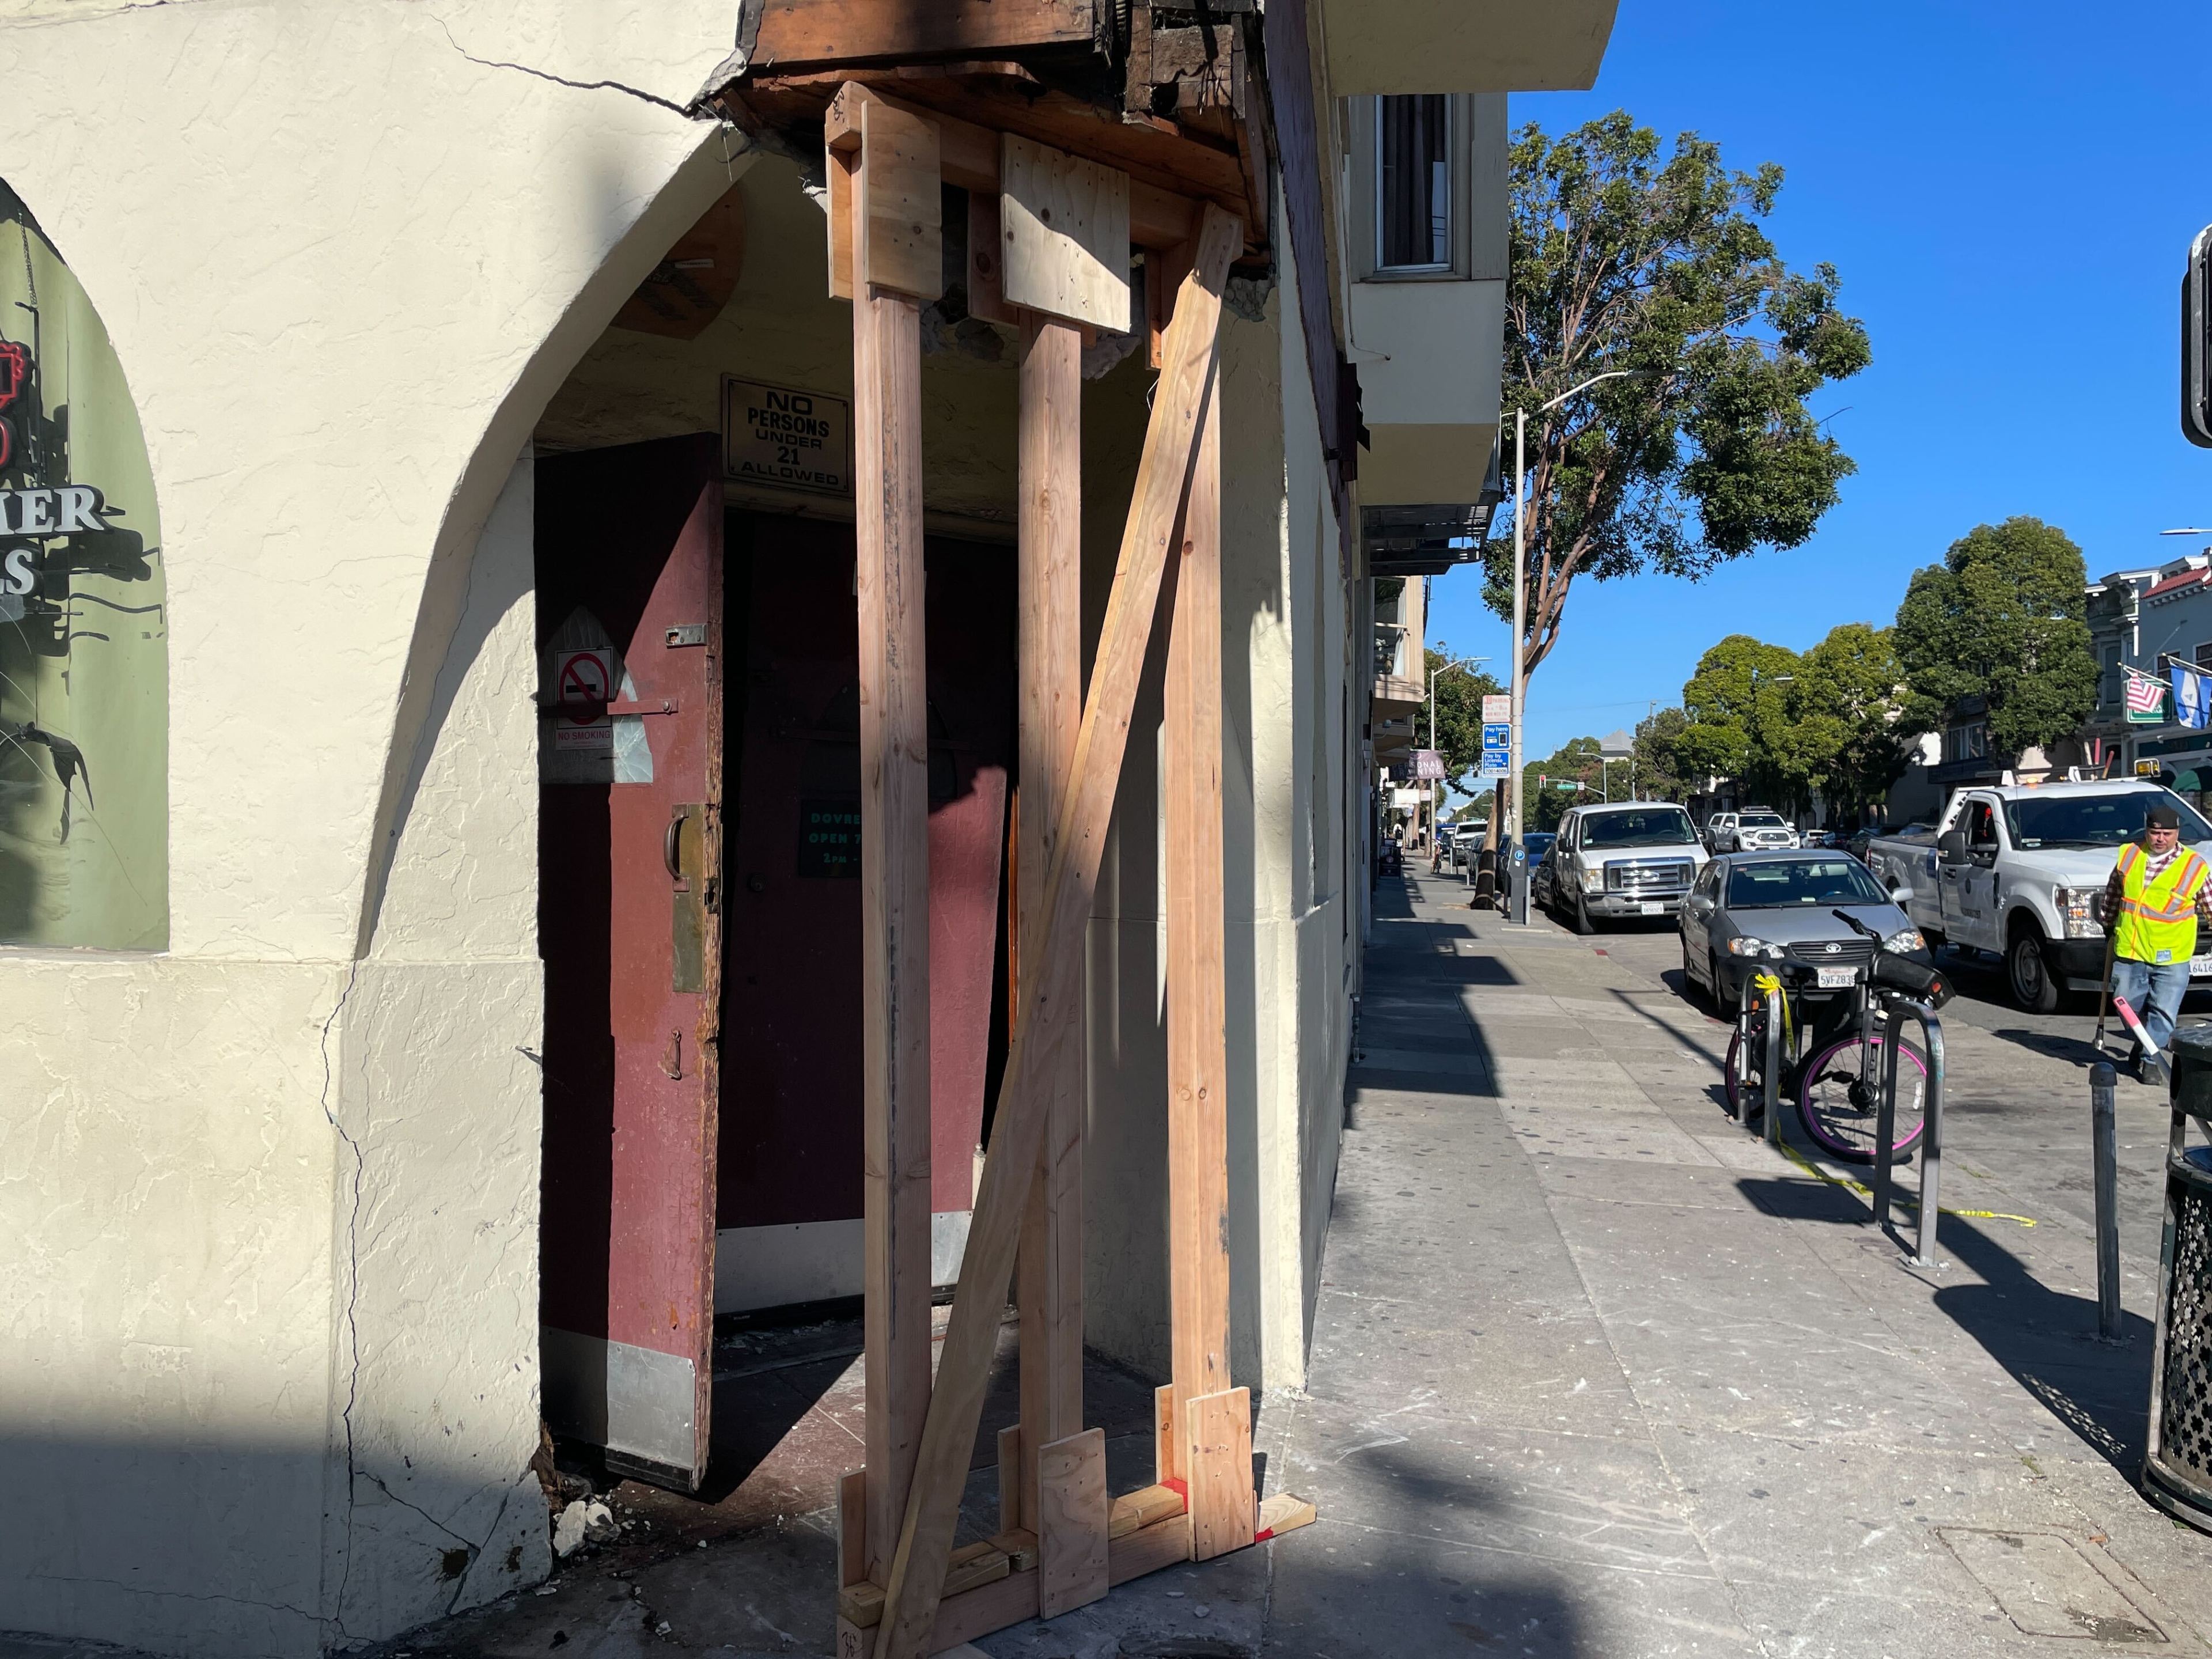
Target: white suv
(1756, 829)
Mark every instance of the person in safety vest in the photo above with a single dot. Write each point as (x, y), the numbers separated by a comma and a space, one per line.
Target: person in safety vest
(2158, 892)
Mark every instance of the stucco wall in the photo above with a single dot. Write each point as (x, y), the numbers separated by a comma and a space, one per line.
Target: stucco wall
(274, 1199)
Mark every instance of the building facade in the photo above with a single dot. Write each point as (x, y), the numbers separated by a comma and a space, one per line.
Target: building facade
(438, 721)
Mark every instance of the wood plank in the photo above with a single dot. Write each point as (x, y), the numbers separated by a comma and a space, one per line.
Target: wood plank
(1064, 224)
(1283, 1512)
(986, 287)
(1071, 1523)
(1162, 1544)
(1197, 948)
(1167, 1435)
(1019, 1545)
(852, 1528)
(1298, 116)
(846, 31)
(838, 167)
(978, 1612)
(1051, 1016)
(1010, 1476)
(903, 244)
(970, 1566)
(853, 1640)
(969, 156)
(1224, 1513)
(1049, 594)
(1133, 1512)
(894, 887)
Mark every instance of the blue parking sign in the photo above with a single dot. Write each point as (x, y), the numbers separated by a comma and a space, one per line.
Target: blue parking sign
(1497, 750)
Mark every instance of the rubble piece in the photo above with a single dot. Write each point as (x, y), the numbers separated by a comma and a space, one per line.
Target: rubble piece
(586, 1521)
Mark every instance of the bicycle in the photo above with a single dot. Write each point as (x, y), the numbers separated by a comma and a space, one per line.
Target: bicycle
(1838, 1090)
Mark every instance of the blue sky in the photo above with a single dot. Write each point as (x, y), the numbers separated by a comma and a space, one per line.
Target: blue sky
(2009, 191)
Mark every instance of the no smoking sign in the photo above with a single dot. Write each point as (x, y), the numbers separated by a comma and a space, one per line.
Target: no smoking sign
(583, 686)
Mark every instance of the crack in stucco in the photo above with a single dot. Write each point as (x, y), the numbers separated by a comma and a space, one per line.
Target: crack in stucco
(181, 1596)
(559, 80)
(353, 1290)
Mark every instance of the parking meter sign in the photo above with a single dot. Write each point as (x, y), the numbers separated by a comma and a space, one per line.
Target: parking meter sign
(1497, 705)
(1497, 751)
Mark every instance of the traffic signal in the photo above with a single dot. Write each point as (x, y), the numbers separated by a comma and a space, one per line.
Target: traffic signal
(2197, 343)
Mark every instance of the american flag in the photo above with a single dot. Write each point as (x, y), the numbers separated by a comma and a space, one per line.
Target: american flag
(2146, 696)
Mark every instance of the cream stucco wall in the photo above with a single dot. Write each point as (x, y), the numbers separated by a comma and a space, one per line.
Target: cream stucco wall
(269, 1345)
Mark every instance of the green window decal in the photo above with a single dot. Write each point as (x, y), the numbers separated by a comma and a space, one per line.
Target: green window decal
(84, 666)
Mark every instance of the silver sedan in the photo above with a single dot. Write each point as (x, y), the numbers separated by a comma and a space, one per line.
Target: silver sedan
(1749, 910)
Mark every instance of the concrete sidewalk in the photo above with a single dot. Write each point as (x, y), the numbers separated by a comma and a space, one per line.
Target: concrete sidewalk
(1596, 1372)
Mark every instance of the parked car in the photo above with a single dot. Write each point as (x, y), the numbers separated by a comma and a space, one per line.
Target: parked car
(2020, 871)
(1468, 841)
(1630, 859)
(1749, 908)
(1757, 829)
(1718, 829)
(1856, 843)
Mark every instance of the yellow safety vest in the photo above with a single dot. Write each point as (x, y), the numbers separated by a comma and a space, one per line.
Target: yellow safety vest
(2158, 918)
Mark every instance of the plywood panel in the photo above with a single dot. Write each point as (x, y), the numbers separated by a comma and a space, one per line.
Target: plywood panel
(1223, 1514)
(1065, 222)
(1071, 1523)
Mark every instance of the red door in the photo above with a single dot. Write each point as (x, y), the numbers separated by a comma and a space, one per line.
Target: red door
(629, 596)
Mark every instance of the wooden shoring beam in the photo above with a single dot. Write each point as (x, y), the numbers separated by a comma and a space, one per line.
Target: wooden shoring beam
(1050, 599)
(1197, 998)
(1051, 1017)
(970, 156)
(897, 170)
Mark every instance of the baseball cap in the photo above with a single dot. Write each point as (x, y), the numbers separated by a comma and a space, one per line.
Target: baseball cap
(2162, 817)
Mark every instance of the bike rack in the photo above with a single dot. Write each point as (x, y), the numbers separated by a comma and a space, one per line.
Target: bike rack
(1769, 1082)
(1931, 1140)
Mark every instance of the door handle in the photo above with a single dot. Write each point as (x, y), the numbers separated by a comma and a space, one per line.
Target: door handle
(671, 844)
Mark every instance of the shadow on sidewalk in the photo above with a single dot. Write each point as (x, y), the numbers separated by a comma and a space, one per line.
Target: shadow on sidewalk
(2047, 1340)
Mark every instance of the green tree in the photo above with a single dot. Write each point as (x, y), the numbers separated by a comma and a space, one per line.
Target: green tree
(1659, 772)
(1740, 721)
(1459, 715)
(1576, 761)
(1849, 701)
(2002, 619)
(1625, 258)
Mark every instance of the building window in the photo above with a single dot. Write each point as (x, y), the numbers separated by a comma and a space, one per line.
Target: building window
(1413, 182)
(1969, 742)
(2108, 676)
(84, 653)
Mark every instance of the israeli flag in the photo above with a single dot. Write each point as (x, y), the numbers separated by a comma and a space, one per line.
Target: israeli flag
(2189, 696)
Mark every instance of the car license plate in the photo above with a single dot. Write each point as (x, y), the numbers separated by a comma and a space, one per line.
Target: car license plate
(2200, 967)
(1650, 908)
(1835, 979)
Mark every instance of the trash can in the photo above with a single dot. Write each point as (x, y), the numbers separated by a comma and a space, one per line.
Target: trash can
(2176, 1474)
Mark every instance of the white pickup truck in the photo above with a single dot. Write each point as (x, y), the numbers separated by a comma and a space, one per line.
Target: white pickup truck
(2020, 873)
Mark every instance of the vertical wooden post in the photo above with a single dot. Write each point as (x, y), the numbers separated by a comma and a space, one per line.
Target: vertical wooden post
(894, 203)
(1050, 1277)
(1198, 1124)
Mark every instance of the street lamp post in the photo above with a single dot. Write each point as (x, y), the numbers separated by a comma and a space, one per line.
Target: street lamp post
(1520, 572)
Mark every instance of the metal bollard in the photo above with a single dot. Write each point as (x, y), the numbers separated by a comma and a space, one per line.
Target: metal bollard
(2106, 1160)
(1931, 1138)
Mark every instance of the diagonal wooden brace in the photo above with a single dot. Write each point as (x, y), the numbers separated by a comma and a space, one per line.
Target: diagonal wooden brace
(1050, 1015)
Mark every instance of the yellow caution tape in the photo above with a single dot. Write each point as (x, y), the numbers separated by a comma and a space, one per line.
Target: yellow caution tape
(1867, 1193)
(1769, 985)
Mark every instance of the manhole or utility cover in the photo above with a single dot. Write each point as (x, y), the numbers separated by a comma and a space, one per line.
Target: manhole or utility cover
(2049, 1585)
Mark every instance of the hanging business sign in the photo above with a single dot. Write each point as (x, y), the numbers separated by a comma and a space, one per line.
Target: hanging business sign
(1428, 764)
(782, 438)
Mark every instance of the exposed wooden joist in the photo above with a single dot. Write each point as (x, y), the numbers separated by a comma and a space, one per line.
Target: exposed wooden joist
(894, 825)
(1049, 603)
(1051, 1016)
(855, 31)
